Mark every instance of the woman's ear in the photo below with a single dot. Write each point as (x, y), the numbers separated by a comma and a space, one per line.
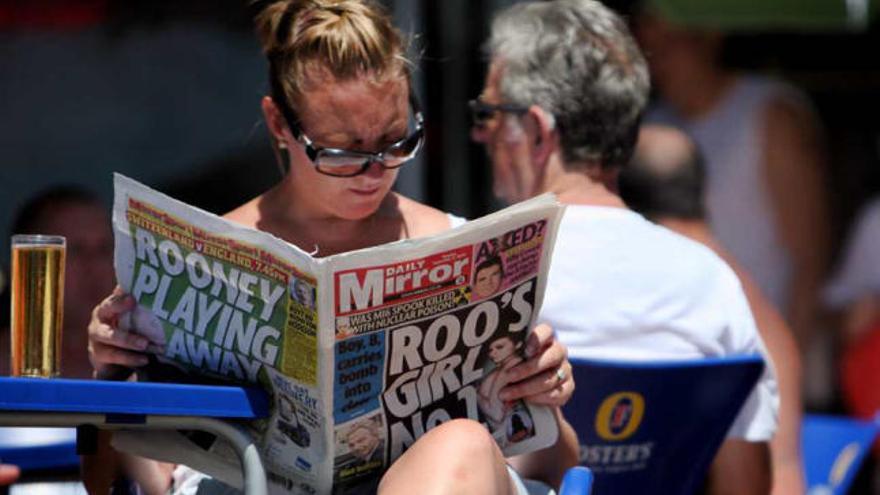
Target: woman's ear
(274, 119)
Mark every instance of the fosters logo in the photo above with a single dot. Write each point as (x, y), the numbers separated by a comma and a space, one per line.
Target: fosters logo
(618, 418)
(620, 415)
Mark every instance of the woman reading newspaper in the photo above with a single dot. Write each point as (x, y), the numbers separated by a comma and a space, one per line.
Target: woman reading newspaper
(342, 118)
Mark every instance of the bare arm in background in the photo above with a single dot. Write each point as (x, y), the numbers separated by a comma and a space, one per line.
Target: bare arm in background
(794, 164)
(785, 447)
(729, 469)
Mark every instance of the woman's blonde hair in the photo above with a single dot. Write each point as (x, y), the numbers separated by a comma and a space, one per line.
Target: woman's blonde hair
(307, 41)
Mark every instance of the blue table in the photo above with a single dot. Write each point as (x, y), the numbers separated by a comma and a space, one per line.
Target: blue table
(36, 402)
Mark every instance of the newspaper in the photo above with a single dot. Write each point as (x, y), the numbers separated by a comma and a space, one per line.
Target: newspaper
(361, 352)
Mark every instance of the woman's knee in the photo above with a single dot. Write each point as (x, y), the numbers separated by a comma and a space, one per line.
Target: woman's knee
(463, 437)
(454, 456)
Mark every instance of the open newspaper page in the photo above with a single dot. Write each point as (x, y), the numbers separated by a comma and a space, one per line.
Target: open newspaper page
(361, 352)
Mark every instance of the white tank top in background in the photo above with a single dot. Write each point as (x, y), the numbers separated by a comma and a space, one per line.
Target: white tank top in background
(738, 201)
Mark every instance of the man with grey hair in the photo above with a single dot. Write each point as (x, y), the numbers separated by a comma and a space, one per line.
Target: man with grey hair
(560, 112)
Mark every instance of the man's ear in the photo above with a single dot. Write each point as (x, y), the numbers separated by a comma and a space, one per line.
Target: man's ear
(274, 119)
(542, 129)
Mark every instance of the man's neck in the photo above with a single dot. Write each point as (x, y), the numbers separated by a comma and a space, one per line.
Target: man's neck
(590, 186)
(695, 229)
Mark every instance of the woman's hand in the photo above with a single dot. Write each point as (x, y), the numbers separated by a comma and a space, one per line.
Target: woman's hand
(108, 345)
(545, 376)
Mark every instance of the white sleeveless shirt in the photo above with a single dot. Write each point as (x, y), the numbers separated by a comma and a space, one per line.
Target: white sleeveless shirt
(737, 199)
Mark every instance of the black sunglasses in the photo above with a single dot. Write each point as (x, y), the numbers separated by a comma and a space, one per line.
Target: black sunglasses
(339, 162)
(482, 113)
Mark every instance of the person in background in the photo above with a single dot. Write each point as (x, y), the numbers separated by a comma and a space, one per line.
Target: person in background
(854, 287)
(765, 161)
(665, 183)
(342, 119)
(81, 217)
(560, 112)
(852, 295)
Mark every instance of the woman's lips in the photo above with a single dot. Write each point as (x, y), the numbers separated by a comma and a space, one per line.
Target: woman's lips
(365, 191)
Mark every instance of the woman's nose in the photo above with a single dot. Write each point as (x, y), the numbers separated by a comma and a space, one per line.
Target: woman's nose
(375, 170)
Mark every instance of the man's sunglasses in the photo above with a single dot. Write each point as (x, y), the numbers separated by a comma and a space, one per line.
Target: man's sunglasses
(482, 113)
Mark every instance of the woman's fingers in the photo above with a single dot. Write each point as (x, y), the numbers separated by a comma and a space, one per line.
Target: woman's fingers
(103, 355)
(551, 387)
(545, 377)
(112, 336)
(109, 310)
(107, 343)
(550, 356)
(539, 339)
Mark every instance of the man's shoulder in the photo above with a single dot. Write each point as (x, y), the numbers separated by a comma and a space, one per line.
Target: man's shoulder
(628, 234)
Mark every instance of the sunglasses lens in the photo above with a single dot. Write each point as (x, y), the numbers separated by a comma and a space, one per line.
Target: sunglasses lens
(340, 164)
(405, 149)
(480, 114)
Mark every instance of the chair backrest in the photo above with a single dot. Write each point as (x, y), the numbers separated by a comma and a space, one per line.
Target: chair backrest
(654, 427)
(833, 450)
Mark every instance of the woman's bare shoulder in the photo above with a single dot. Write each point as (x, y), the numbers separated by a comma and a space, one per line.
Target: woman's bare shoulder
(422, 220)
(248, 214)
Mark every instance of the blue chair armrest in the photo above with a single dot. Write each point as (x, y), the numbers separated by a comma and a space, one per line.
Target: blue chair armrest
(577, 481)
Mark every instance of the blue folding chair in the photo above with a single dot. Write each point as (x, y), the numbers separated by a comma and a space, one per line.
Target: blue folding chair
(654, 427)
(833, 449)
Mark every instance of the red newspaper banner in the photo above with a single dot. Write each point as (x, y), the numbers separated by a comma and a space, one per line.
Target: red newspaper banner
(366, 289)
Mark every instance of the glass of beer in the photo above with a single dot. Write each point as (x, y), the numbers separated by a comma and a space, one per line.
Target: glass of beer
(37, 304)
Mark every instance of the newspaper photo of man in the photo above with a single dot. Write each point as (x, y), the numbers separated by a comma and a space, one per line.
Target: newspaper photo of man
(359, 468)
(302, 292)
(488, 277)
(343, 327)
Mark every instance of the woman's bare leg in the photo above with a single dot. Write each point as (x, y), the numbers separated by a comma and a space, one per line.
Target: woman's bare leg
(459, 456)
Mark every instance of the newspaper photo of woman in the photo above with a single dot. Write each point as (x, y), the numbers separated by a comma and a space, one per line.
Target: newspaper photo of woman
(504, 354)
(487, 278)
